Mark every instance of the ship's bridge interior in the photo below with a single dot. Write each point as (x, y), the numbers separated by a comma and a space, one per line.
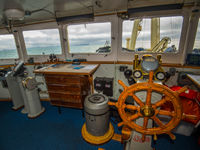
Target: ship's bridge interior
(99, 74)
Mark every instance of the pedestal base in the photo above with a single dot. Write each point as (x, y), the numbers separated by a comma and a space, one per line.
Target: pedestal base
(97, 140)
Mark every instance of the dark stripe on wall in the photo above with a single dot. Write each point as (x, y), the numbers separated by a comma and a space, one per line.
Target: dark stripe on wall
(69, 18)
(155, 8)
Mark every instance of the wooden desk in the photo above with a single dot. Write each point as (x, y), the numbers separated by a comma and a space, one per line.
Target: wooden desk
(68, 84)
(195, 79)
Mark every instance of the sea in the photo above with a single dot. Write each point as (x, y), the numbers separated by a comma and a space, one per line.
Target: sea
(12, 53)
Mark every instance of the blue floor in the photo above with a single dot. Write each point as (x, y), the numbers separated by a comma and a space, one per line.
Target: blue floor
(181, 142)
(50, 131)
(54, 131)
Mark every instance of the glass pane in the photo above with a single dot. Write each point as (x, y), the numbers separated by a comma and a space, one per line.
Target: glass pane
(42, 42)
(90, 38)
(196, 48)
(157, 35)
(8, 47)
(170, 28)
(144, 36)
(136, 35)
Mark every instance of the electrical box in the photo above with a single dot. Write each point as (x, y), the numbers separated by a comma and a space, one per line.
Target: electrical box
(99, 84)
(108, 86)
(105, 85)
(193, 59)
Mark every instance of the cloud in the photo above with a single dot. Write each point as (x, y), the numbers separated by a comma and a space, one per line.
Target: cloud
(41, 38)
(92, 34)
(34, 34)
(94, 28)
(7, 42)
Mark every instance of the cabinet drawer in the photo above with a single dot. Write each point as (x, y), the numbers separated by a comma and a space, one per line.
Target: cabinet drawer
(55, 79)
(73, 89)
(65, 97)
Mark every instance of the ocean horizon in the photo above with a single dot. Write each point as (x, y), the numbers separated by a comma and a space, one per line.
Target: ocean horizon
(12, 53)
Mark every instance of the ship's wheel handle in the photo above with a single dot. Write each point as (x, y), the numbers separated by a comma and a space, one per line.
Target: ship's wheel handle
(149, 110)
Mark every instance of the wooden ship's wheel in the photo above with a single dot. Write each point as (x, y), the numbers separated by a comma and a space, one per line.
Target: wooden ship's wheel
(149, 110)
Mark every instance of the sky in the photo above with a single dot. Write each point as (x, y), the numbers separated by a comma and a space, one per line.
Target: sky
(92, 34)
(41, 38)
(7, 42)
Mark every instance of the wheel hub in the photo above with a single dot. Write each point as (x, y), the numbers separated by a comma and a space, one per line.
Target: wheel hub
(147, 111)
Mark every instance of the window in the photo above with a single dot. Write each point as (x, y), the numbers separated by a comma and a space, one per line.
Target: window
(157, 35)
(42, 42)
(139, 30)
(90, 38)
(196, 48)
(7, 47)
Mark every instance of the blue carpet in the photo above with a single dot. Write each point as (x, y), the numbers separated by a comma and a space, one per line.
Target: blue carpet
(182, 142)
(50, 131)
(54, 131)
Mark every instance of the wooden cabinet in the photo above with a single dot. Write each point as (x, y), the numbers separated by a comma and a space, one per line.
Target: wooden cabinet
(68, 90)
(67, 85)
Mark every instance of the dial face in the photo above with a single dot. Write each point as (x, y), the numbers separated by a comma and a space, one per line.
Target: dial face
(137, 74)
(160, 76)
(149, 63)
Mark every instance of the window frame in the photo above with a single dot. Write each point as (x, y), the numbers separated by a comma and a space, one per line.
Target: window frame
(176, 58)
(44, 54)
(132, 19)
(197, 20)
(68, 47)
(99, 19)
(149, 52)
(17, 44)
(191, 33)
(48, 25)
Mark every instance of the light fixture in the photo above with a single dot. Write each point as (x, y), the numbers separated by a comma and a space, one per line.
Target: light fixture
(14, 14)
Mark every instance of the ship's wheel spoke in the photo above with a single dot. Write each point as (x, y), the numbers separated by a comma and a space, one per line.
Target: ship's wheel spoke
(113, 103)
(122, 84)
(133, 117)
(138, 101)
(131, 107)
(120, 124)
(143, 137)
(161, 102)
(172, 136)
(148, 99)
(145, 123)
(183, 89)
(158, 122)
(166, 113)
(150, 77)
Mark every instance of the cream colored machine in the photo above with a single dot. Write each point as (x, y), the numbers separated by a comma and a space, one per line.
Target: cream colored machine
(24, 91)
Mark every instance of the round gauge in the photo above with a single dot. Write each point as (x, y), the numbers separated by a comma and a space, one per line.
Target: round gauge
(128, 73)
(160, 75)
(149, 63)
(137, 74)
